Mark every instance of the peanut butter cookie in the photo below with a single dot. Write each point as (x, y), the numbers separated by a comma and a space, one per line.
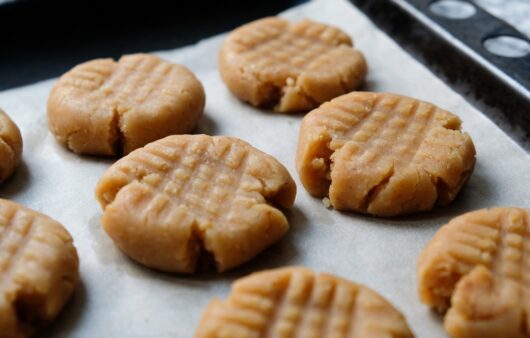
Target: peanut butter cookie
(476, 266)
(166, 203)
(296, 302)
(383, 154)
(103, 107)
(290, 66)
(39, 269)
(10, 146)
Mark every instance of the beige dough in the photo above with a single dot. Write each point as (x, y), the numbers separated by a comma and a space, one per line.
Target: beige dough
(186, 195)
(39, 269)
(296, 302)
(290, 66)
(103, 107)
(10, 146)
(383, 154)
(477, 267)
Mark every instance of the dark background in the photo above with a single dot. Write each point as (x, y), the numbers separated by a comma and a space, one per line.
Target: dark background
(43, 39)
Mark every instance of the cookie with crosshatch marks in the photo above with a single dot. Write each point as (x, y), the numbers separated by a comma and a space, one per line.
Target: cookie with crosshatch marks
(290, 66)
(476, 266)
(104, 107)
(166, 203)
(383, 154)
(296, 302)
(10, 146)
(39, 269)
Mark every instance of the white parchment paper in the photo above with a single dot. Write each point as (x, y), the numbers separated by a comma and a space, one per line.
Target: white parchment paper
(119, 298)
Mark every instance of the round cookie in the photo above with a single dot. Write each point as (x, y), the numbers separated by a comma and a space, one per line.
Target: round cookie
(103, 107)
(290, 66)
(477, 267)
(10, 146)
(39, 269)
(383, 154)
(184, 196)
(296, 302)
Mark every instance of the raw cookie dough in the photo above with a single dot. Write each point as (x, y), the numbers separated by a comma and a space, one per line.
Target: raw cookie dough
(290, 66)
(10, 146)
(477, 267)
(186, 195)
(296, 302)
(103, 107)
(39, 269)
(383, 154)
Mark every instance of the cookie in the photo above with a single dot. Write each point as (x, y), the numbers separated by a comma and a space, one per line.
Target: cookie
(296, 302)
(10, 146)
(383, 154)
(39, 269)
(290, 66)
(477, 267)
(185, 196)
(103, 107)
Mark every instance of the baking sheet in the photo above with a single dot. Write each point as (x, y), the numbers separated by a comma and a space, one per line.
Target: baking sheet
(119, 298)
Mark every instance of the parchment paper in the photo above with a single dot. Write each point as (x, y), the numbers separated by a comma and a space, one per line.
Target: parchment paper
(119, 298)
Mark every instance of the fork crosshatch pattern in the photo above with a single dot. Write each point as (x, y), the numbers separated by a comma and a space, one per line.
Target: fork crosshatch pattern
(383, 154)
(167, 202)
(104, 107)
(296, 302)
(290, 66)
(476, 267)
(38, 269)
